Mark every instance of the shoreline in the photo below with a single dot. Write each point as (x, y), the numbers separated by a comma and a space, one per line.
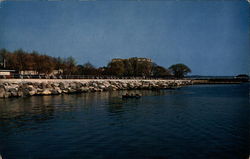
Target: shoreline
(34, 87)
(218, 81)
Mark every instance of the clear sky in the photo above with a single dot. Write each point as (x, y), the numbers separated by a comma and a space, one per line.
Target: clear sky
(211, 37)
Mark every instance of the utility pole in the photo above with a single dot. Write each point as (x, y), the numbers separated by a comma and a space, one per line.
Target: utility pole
(4, 63)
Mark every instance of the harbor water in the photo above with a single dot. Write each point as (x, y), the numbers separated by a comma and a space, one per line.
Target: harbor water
(193, 122)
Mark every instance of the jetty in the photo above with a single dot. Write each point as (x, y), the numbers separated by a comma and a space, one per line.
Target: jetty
(31, 87)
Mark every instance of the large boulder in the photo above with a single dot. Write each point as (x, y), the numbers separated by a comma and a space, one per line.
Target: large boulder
(84, 89)
(31, 93)
(62, 85)
(46, 92)
(13, 92)
(101, 86)
(2, 92)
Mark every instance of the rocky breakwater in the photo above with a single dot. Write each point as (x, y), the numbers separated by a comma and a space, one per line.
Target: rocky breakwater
(22, 88)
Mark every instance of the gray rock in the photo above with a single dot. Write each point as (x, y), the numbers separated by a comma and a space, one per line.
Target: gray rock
(8, 89)
(2, 92)
(46, 92)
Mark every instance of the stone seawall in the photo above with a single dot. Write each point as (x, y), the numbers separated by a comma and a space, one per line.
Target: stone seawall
(30, 87)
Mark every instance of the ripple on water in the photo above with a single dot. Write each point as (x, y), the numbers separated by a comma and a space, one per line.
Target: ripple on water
(209, 121)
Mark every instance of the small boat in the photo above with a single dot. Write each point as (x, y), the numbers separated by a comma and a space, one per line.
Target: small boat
(137, 96)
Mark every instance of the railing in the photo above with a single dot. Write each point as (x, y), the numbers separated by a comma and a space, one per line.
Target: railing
(210, 78)
(19, 76)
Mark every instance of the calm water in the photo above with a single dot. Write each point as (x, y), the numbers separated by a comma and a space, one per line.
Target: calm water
(196, 122)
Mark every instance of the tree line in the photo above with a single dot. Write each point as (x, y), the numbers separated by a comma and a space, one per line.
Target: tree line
(21, 60)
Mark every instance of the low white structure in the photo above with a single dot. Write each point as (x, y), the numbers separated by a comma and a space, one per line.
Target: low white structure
(33, 72)
(6, 72)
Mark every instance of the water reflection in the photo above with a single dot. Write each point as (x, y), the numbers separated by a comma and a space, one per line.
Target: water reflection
(21, 112)
(175, 123)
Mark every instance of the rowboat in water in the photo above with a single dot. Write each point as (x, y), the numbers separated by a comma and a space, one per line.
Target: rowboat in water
(137, 96)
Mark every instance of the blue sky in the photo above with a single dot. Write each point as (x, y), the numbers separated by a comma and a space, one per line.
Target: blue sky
(211, 37)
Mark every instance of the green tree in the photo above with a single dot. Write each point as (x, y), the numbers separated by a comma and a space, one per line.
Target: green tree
(144, 68)
(89, 69)
(116, 68)
(48, 65)
(59, 63)
(11, 61)
(128, 68)
(43, 64)
(134, 65)
(104, 71)
(179, 70)
(140, 68)
(70, 66)
(3, 56)
(21, 59)
(159, 71)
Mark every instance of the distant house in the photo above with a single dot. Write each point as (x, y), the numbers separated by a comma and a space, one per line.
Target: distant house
(117, 60)
(57, 72)
(6, 72)
(28, 72)
(144, 60)
(141, 59)
(32, 72)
